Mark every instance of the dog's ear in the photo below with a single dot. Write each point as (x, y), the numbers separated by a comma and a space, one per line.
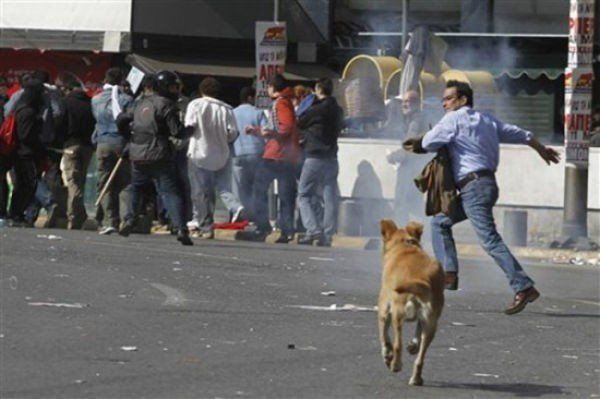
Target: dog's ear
(415, 230)
(388, 227)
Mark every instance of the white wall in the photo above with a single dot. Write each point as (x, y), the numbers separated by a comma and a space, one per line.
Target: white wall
(524, 179)
(76, 15)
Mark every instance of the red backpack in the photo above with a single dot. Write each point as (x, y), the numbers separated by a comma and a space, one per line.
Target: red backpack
(8, 135)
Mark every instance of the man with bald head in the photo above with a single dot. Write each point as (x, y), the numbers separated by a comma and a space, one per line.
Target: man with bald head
(408, 200)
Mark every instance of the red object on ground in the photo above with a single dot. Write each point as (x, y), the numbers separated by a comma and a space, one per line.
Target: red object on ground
(232, 226)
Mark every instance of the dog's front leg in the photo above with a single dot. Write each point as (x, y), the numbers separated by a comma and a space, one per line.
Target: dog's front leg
(384, 339)
(413, 345)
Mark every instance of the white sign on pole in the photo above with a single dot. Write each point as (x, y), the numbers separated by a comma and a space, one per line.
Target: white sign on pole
(271, 48)
(135, 78)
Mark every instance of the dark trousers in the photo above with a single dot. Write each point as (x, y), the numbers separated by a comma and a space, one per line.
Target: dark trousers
(163, 174)
(285, 174)
(4, 168)
(24, 186)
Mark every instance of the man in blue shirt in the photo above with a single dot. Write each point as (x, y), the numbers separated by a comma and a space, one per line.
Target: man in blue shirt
(248, 149)
(472, 139)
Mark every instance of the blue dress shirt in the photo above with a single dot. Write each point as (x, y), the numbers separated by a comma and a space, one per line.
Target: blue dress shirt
(473, 140)
(247, 144)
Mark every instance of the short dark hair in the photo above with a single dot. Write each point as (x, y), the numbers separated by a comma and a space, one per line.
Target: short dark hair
(69, 81)
(113, 76)
(326, 85)
(278, 82)
(247, 92)
(463, 89)
(210, 87)
(41, 75)
(149, 82)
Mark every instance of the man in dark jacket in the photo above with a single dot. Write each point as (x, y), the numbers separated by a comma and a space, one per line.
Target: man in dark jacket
(29, 148)
(79, 124)
(320, 127)
(154, 119)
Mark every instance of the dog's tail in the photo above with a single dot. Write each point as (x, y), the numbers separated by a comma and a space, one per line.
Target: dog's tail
(418, 289)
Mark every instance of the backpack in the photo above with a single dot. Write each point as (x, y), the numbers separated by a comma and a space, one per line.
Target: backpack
(8, 135)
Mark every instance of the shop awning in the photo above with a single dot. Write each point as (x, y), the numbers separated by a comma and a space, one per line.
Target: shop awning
(531, 73)
(230, 68)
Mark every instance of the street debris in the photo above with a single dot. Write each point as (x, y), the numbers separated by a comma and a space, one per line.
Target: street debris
(452, 349)
(177, 262)
(545, 327)
(49, 236)
(570, 357)
(291, 346)
(335, 308)
(75, 305)
(577, 261)
(328, 293)
(80, 381)
(306, 348)
(13, 282)
(129, 348)
(322, 259)
(486, 375)
(459, 324)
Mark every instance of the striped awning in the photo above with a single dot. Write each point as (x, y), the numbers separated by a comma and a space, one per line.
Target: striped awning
(531, 73)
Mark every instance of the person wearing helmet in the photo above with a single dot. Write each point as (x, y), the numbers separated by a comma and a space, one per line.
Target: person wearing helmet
(151, 124)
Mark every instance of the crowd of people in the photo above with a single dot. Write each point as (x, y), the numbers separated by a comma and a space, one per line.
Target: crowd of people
(163, 156)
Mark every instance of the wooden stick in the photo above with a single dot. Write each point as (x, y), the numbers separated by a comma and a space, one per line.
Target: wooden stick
(109, 181)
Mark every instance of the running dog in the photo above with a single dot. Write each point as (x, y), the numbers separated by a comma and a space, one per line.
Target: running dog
(412, 289)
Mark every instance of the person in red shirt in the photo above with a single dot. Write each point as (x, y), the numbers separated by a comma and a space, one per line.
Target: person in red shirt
(280, 158)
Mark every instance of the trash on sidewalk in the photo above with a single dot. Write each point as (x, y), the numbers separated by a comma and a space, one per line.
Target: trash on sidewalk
(577, 261)
(328, 293)
(335, 308)
(129, 348)
(75, 305)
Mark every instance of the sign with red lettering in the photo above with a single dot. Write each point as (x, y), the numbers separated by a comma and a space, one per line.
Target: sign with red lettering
(271, 50)
(581, 32)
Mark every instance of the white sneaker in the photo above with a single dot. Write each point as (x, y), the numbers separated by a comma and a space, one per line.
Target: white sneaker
(193, 225)
(107, 230)
(237, 215)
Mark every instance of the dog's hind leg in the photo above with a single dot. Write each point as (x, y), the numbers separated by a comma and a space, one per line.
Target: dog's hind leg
(427, 334)
(397, 321)
(384, 338)
(413, 345)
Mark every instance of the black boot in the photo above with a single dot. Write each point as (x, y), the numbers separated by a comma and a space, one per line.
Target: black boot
(183, 236)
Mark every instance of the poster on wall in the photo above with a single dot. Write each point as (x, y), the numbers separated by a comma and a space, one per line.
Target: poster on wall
(579, 77)
(271, 47)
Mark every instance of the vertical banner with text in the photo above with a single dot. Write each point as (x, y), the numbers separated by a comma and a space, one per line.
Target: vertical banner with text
(579, 78)
(271, 47)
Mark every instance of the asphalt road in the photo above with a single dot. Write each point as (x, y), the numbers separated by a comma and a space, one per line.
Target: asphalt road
(90, 316)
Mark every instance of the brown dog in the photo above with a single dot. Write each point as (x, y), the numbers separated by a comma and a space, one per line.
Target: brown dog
(412, 288)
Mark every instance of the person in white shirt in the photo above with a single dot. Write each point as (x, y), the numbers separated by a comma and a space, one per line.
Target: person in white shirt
(209, 156)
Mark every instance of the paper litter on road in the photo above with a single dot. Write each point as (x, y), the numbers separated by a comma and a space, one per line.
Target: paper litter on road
(328, 293)
(75, 305)
(322, 259)
(335, 308)
(570, 357)
(129, 348)
(545, 327)
(459, 324)
(306, 348)
(49, 237)
(452, 349)
(486, 375)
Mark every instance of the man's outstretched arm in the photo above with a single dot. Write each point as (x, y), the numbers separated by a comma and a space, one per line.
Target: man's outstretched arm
(546, 153)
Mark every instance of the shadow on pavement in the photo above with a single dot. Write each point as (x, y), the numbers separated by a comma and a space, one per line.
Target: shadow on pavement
(524, 390)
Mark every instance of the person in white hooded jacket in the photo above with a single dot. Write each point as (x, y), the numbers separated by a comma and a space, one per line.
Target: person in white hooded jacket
(209, 156)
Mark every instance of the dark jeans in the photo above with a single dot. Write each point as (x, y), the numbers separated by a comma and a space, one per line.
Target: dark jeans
(107, 156)
(285, 174)
(24, 186)
(319, 173)
(478, 199)
(163, 174)
(244, 173)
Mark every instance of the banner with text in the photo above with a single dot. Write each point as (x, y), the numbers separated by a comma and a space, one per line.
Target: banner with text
(579, 77)
(271, 47)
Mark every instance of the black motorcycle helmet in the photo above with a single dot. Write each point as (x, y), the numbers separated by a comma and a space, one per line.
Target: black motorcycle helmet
(164, 81)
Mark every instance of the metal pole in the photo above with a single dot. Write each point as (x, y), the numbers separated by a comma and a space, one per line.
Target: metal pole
(404, 23)
(276, 10)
